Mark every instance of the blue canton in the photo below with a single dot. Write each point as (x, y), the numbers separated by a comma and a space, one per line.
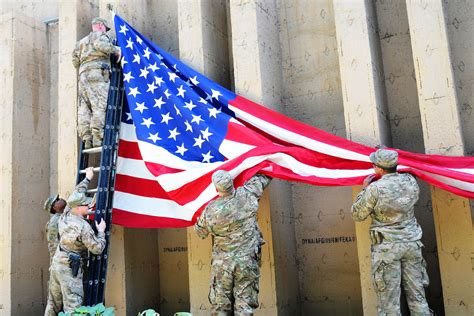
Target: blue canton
(171, 105)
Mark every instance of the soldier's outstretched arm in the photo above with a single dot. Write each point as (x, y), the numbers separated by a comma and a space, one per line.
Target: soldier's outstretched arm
(104, 44)
(364, 203)
(94, 243)
(257, 184)
(201, 226)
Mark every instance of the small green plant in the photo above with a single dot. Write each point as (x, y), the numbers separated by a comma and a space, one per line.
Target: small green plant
(149, 312)
(96, 310)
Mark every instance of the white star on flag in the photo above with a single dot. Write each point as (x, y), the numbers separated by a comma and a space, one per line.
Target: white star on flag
(136, 58)
(188, 127)
(172, 76)
(141, 107)
(129, 44)
(213, 112)
(174, 133)
(147, 122)
(194, 80)
(128, 76)
(216, 94)
(166, 118)
(144, 72)
(159, 81)
(134, 92)
(207, 157)
(123, 29)
(181, 149)
(159, 102)
(206, 134)
(181, 91)
(154, 137)
(153, 67)
(147, 53)
(190, 105)
(196, 119)
(198, 141)
(151, 87)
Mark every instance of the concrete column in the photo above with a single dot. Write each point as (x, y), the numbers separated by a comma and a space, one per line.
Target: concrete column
(24, 137)
(329, 278)
(203, 33)
(256, 54)
(364, 104)
(442, 134)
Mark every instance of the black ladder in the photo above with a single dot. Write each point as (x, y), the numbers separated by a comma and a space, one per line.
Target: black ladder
(95, 276)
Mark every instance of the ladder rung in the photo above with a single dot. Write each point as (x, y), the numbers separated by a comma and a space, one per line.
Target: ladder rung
(96, 169)
(92, 150)
(92, 190)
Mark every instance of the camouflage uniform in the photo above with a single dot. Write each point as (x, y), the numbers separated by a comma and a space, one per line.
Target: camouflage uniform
(76, 235)
(396, 245)
(92, 57)
(237, 240)
(52, 234)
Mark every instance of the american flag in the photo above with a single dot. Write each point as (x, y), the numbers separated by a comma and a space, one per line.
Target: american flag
(179, 127)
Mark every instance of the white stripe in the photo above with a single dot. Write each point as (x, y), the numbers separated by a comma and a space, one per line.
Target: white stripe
(151, 206)
(134, 168)
(298, 139)
(171, 182)
(467, 186)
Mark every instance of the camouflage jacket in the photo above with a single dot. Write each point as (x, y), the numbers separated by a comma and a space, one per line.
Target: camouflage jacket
(390, 201)
(232, 220)
(93, 51)
(75, 233)
(52, 234)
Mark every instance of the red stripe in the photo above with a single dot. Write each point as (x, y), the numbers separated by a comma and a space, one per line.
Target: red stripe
(287, 123)
(130, 219)
(129, 150)
(139, 186)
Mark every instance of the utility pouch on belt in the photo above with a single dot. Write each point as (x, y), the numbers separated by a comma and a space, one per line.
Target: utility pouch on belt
(74, 263)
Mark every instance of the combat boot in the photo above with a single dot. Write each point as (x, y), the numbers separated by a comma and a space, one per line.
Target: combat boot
(87, 144)
(97, 142)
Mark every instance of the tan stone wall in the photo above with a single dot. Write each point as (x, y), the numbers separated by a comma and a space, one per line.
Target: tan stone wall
(346, 67)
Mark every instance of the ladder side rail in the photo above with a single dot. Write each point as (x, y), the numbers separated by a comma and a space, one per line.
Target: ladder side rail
(94, 261)
(113, 173)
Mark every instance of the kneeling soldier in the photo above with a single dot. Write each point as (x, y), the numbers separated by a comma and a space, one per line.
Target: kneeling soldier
(232, 221)
(76, 237)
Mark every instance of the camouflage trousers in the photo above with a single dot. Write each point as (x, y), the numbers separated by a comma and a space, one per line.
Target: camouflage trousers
(65, 291)
(234, 285)
(93, 92)
(399, 263)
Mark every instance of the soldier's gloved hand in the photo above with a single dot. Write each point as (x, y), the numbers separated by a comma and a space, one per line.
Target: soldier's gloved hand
(368, 180)
(118, 53)
(101, 226)
(90, 173)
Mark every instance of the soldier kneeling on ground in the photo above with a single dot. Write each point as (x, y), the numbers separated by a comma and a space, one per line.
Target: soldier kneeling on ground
(76, 237)
(231, 219)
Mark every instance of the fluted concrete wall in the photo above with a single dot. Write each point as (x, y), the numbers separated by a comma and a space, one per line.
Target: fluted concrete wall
(365, 70)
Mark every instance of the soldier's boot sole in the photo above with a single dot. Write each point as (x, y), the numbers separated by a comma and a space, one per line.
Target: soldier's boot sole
(221, 313)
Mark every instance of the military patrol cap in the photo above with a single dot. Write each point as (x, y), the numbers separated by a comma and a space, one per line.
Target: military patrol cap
(48, 204)
(384, 158)
(223, 181)
(78, 198)
(98, 20)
